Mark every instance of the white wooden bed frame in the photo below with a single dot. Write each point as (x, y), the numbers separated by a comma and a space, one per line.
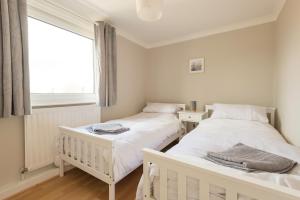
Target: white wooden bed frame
(72, 139)
(270, 112)
(233, 184)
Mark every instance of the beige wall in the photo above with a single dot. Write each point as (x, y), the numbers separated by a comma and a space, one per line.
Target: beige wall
(131, 99)
(131, 81)
(11, 149)
(288, 73)
(239, 68)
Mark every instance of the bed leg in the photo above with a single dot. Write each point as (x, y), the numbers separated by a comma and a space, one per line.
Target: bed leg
(61, 168)
(112, 191)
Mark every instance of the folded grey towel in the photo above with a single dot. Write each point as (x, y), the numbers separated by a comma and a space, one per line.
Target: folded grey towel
(104, 128)
(246, 158)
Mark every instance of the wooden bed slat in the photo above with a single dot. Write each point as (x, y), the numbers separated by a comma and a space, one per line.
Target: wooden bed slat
(182, 187)
(66, 145)
(72, 152)
(203, 189)
(146, 190)
(85, 153)
(163, 183)
(101, 160)
(78, 148)
(93, 156)
(231, 194)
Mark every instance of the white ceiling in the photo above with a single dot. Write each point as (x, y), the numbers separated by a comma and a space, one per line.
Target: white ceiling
(182, 19)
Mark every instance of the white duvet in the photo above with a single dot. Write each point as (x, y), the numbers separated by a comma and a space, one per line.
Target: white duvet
(219, 135)
(147, 130)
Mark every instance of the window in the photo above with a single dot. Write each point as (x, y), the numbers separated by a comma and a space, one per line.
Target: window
(61, 65)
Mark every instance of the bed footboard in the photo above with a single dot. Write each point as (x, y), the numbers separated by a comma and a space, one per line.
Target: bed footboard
(234, 185)
(91, 154)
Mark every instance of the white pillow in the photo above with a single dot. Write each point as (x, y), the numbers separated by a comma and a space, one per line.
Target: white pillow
(240, 112)
(161, 108)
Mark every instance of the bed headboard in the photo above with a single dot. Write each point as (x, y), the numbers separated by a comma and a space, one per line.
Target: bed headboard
(270, 112)
(179, 105)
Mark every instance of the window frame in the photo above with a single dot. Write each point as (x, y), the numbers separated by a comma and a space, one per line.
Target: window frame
(68, 21)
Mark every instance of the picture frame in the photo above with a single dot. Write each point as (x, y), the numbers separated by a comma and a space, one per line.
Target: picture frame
(196, 65)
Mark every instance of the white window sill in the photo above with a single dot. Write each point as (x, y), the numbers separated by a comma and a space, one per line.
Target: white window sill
(60, 100)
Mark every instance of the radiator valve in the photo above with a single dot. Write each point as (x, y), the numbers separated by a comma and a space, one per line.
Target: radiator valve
(23, 171)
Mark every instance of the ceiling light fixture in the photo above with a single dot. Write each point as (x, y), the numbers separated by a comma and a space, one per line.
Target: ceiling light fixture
(149, 10)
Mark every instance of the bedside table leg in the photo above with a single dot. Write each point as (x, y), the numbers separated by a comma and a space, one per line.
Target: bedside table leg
(185, 126)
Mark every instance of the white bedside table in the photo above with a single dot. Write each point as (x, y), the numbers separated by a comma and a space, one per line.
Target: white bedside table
(190, 116)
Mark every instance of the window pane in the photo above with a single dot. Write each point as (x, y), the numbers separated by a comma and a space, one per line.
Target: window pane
(60, 61)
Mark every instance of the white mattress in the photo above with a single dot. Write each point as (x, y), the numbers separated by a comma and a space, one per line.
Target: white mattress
(147, 130)
(219, 135)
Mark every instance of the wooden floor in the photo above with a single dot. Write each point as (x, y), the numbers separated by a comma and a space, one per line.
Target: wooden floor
(77, 184)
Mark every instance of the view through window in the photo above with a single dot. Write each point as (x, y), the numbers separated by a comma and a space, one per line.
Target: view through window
(61, 62)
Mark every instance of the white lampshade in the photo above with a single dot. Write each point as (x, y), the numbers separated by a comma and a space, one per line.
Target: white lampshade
(149, 10)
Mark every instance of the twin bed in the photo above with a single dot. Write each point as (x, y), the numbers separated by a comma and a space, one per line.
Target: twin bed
(182, 173)
(111, 157)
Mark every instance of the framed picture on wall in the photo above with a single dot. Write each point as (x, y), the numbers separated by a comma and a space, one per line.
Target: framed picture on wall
(196, 65)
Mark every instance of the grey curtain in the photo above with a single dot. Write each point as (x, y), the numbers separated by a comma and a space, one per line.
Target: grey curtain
(106, 56)
(14, 70)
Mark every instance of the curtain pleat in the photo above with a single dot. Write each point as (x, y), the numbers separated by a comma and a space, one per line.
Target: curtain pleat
(14, 67)
(106, 56)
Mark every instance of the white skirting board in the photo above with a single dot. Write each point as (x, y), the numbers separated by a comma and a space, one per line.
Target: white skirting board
(20, 186)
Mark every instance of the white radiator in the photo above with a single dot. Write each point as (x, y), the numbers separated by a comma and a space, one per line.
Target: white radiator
(41, 131)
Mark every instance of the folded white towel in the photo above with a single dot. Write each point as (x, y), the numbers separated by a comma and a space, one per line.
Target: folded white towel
(106, 128)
